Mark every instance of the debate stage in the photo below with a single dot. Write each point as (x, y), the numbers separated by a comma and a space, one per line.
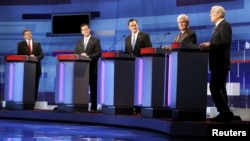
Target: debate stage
(162, 125)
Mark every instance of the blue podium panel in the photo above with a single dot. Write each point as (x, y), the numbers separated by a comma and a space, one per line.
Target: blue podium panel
(19, 92)
(153, 81)
(187, 80)
(151, 76)
(138, 92)
(72, 83)
(116, 83)
(109, 74)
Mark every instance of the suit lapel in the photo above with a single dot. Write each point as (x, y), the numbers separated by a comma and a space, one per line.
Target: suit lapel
(129, 42)
(88, 44)
(139, 36)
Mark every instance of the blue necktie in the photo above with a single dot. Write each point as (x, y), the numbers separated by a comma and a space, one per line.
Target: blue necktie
(133, 42)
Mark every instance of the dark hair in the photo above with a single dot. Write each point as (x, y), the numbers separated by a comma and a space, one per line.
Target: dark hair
(84, 24)
(25, 30)
(131, 20)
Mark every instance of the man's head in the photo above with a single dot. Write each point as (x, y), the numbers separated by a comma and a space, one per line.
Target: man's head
(133, 25)
(27, 34)
(85, 30)
(183, 22)
(217, 13)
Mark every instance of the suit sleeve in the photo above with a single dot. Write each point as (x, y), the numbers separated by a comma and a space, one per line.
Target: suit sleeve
(97, 51)
(147, 41)
(39, 51)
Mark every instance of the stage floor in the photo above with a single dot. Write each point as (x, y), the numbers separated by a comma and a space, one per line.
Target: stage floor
(162, 125)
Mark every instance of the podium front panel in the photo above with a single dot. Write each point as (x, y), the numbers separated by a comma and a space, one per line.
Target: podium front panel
(72, 82)
(138, 92)
(153, 81)
(116, 82)
(187, 80)
(109, 81)
(20, 82)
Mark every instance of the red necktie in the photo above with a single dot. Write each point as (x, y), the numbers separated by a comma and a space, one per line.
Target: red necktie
(29, 47)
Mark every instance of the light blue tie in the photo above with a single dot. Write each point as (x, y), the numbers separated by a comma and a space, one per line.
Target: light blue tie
(133, 42)
(85, 43)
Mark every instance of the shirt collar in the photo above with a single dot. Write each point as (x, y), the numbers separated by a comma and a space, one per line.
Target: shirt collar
(87, 38)
(216, 24)
(135, 33)
(29, 40)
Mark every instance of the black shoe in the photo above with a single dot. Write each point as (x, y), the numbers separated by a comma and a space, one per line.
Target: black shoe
(236, 118)
(137, 110)
(223, 117)
(93, 111)
(93, 107)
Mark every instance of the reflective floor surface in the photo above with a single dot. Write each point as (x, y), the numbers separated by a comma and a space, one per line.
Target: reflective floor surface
(22, 130)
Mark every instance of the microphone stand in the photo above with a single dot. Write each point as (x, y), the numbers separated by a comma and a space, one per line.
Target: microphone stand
(12, 52)
(163, 38)
(116, 42)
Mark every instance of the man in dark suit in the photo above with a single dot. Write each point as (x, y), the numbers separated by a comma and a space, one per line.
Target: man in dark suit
(186, 34)
(90, 47)
(133, 43)
(136, 40)
(219, 49)
(33, 49)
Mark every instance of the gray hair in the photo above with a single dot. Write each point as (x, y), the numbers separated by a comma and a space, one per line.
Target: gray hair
(219, 9)
(184, 16)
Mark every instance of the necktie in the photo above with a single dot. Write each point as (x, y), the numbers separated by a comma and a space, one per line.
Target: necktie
(85, 43)
(29, 47)
(214, 29)
(178, 37)
(133, 42)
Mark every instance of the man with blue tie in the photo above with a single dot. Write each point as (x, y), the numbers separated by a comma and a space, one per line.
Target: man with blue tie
(90, 47)
(136, 40)
(133, 44)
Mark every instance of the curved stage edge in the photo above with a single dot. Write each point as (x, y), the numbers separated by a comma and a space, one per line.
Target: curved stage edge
(163, 125)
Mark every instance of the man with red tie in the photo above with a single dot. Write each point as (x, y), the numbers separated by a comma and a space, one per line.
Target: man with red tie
(33, 49)
(219, 48)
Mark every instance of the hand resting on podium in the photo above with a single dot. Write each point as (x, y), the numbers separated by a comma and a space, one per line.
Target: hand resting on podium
(204, 46)
(169, 48)
(84, 54)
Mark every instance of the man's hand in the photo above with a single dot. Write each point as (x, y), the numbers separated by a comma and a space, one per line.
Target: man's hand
(204, 46)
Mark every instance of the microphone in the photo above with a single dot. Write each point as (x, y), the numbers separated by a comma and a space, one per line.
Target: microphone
(13, 51)
(159, 37)
(116, 42)
(163, 37)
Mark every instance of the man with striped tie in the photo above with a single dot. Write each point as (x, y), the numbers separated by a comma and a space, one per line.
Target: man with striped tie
(186, 34)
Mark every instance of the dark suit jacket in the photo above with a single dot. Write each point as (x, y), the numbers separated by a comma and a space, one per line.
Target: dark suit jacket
(93, 50)
(142, 41)
(219, 52)
(189, 36)
(22, 49)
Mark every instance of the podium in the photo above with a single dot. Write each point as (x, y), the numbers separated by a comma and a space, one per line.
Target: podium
(116, 83)
(72, 83)
(187, 82)
(152, 77)
(20, 77)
